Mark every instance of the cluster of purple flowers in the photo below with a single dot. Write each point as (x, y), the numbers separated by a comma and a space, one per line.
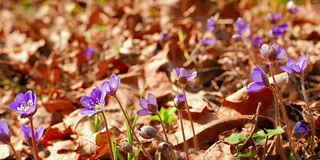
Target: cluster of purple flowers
(279, 31)
(273, 18)
(26, 105)
(95, 102)
(242, 29)
(260, 80)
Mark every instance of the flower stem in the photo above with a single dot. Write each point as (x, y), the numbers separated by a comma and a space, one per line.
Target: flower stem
(164, 129)
(34, 143)
(195, 140)
(309, 110)
(278, 138)
(131, 128)
(14, 151)
(185, 145)
(291, 144)
(283, 109)
(108, 136)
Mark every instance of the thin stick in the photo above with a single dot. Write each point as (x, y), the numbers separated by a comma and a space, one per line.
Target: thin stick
(14, 151)
(131, 128)
(164, 129)
(108, 136)
(309, 110)
(185, 145)
(34, 143)
(195, 139)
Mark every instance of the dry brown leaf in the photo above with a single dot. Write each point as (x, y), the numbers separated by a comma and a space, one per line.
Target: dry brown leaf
(245, 103)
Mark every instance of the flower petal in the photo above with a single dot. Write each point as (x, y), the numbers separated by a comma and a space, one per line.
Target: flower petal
(144, 103)
(282, 54)
(38, 133)
(89, 112)
(177, 71)
(255, 87)
(152, 99)
(14, 106)
(20, 98)
(192, 76)
(4, 128)
(114, 81)
(87, 102)
(286, 69)
(144, 112)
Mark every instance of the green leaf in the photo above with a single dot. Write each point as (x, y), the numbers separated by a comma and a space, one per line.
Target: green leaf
(171, 110)
(260, 134)
(235, 138)
(246, 154)
(155, 118)
(260, 140)
(272, 132)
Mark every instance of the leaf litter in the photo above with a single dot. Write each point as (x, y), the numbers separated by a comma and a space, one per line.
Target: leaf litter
(43, 47)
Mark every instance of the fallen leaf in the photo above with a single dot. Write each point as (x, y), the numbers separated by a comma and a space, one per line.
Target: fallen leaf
(245, 103)
(103, 145)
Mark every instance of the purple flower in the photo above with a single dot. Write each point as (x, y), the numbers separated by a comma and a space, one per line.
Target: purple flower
(111, 86)
(296, 67)
(272, 53)
(257, 41)
(211, 22)
(183, 76)
(165, 36)
(207, 41)
(4, 132)
(300, 130)
(273, 18)
(149, 106)
(242, 28)
(28, 134)
(25, 104)
(279, 31)
(292, 8)
(260, 80)
(89, 52)
(95, 103)
(180, 101)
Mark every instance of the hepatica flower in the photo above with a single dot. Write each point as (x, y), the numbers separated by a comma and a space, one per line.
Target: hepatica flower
(211, 22)
(207, 41)
(300, 130)
(95, 103)
(242, 28)
(257, 41)
(260, 80)
(28, 134)
(273, 18)
(89, 52)
(296, 67)
(279, 31)
(272, 53)
(25, 104)
(180, 101)
(111, 86)
(165, 36)
(292, 7)
(4, 132)
(183, 76)
(149, 106)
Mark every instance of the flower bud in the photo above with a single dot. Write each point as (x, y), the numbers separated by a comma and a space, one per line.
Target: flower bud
(180, 101)
(300, 130)
(148, 132)
(126, 147)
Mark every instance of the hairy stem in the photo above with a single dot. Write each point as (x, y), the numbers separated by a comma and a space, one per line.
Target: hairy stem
(108, 136)
(195, 139)
(131, 128)
(283, 109)
(34, 143)
(164, 129)
(14, 151)
(185, 145)
(309, 110)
